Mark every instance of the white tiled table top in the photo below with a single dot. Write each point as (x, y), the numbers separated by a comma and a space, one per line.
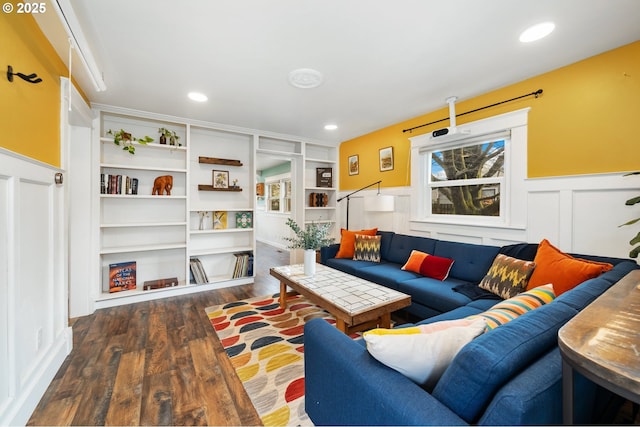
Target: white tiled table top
(353, 294)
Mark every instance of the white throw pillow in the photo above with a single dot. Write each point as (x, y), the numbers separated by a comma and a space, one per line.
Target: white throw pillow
(421, 357)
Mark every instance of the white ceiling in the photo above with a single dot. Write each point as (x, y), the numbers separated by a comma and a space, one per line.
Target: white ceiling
(383, 61)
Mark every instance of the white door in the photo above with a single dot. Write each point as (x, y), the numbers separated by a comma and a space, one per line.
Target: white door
(34, 332)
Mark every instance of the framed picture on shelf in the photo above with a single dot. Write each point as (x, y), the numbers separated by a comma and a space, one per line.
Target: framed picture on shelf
(386, 159)
(354, 165)
(244, 219)
(220, 179)
(219, 220)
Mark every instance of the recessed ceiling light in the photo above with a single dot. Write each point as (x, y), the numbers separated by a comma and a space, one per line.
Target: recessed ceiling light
(536, 32)
(331, 127)
(305, 78)
(198, 97)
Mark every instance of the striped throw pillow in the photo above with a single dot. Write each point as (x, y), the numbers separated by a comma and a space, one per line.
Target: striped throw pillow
(508, 310)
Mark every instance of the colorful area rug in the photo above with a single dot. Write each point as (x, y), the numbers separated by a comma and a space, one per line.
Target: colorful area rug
(266, 346)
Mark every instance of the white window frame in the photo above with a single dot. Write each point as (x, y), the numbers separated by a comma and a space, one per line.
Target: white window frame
(513, 194)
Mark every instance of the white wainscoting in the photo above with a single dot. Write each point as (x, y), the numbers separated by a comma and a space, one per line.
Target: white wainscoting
(578, 214)
(270, 227)
(34, 333)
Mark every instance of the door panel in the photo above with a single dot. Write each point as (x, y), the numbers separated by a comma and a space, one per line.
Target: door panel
(34, 332)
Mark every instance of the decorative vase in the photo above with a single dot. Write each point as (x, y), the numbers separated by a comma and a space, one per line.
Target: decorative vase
(309, 262)
(163, 139)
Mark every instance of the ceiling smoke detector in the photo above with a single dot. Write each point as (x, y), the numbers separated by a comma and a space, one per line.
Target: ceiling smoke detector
(305, 78)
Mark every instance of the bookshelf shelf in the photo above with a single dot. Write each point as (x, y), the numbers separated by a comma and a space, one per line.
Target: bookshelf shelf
(141, 196)
(213, 251)
(152, 145)
(222, 231)
(216, 161)
(142, 248)
(203, 187)
(143, 224)
(141, 168)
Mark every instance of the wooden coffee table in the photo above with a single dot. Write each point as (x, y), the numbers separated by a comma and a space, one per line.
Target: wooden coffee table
(357, 304)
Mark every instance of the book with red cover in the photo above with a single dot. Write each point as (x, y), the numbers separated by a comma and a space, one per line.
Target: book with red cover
(122, 276)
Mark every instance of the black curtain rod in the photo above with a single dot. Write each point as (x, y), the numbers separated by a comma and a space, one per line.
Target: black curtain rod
(536, 94)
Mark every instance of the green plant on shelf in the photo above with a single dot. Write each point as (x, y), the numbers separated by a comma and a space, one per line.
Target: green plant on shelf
(169, 135)
(126, 140)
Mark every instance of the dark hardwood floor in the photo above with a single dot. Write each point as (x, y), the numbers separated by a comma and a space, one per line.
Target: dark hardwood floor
(155, 363)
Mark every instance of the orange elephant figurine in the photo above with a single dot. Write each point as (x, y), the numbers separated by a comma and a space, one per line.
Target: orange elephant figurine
(161, 184)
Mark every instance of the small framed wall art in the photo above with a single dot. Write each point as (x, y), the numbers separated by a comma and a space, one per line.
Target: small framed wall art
(220, 179)
(354, 165)
(386, 159)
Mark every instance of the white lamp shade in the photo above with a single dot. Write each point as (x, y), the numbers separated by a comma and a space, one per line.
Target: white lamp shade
(379, 203)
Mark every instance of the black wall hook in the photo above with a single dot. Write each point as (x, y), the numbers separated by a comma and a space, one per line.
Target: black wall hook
(31, 78)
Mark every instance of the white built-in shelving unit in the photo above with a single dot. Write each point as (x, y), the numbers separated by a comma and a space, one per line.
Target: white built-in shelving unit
(325, 157)
(163, 233)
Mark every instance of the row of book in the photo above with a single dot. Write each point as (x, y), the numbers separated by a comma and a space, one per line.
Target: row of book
(118, 184)
(197, 272)
(244, 265)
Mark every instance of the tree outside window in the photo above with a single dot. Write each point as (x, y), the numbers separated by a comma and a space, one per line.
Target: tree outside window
(468, 180)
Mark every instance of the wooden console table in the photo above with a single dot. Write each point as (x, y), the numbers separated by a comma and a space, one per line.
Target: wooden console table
(602, 342)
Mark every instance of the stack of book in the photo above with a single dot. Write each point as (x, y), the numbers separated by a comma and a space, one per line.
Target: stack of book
(118, 184)
(244, 265)
(197, 271)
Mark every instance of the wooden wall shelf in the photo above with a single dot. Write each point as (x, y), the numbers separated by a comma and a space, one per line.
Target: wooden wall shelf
(203, 187)
(215, 161)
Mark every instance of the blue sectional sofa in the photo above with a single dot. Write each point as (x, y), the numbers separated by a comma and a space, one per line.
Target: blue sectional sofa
(510, 375)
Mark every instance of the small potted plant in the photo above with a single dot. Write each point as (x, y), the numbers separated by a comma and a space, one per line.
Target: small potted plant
(126, 140)
(311, 238)
(173, 138)
(164, 134)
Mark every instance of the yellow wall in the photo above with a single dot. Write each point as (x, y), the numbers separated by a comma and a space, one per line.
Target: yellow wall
(585, 122)
(29, 113)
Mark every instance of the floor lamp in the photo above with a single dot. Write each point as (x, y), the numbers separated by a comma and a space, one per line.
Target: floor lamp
(377, 203)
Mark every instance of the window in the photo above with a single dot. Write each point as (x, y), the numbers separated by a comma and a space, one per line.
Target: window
(273, 198)
(279, 196)
(467, 179)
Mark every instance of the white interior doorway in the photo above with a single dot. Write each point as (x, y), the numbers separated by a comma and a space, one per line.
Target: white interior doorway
(76, 157)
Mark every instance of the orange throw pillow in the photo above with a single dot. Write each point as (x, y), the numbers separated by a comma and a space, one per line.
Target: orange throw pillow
(348, 241)
(562, 270)
(415, 261)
